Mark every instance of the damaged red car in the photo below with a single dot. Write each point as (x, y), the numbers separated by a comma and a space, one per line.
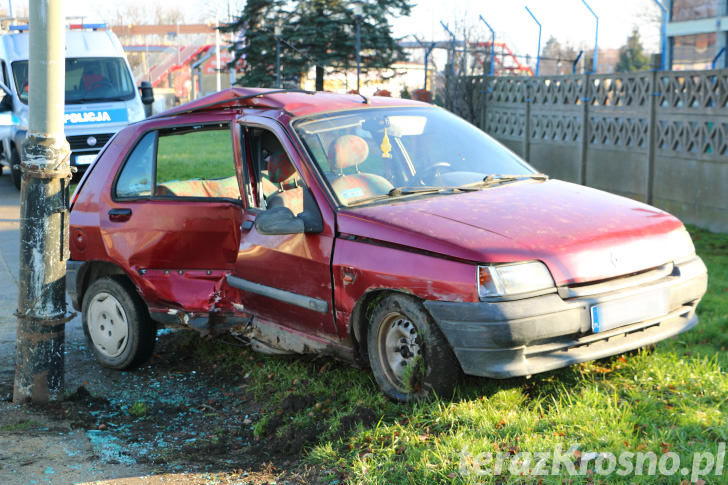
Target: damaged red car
(387, 232)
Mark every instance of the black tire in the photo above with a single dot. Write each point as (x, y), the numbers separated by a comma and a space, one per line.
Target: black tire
(112, 306)
(423, 365)
(15, 172)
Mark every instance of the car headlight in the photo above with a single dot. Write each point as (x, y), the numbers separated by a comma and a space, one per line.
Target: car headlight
(513, 279)
(134, 111)
(680, 245)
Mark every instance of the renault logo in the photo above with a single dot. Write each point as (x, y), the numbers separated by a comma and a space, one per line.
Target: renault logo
(91, 141)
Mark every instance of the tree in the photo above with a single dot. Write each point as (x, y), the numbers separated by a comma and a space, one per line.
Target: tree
(557, 58)
(632, 55)
(317, 33)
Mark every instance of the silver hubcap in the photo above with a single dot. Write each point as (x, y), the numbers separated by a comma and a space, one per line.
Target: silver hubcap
(107, 325)
(399, 346)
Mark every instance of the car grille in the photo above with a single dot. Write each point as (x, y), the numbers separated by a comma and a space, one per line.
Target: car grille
(80, 142)
(619, 283)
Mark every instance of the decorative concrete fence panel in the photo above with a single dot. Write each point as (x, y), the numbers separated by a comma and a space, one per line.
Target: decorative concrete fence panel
(658, 137)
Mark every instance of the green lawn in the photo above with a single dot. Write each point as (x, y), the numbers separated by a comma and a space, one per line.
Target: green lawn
(673, 398)
(205, 154)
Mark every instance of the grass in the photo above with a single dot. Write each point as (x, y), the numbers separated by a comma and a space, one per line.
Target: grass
(139, 409)
(670, 399)
(19, 427)
(205, 154)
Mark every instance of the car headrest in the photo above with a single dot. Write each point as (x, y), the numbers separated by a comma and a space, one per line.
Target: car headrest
(348, 151)
(280, 167)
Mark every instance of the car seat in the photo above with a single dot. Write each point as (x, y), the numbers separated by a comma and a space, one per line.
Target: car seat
(283, 174)
(349, 151)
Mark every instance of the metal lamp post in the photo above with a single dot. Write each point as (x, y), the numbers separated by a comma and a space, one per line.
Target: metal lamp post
(358, 13)
(596, 38)
(663, 35)
(538, 54)
(277, 32)
(428, 50)
(492, 46)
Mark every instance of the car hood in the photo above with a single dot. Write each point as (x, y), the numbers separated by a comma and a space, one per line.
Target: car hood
(581, 234)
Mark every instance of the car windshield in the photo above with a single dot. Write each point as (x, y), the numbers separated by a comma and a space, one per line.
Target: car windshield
(88, 79)
(383, 153)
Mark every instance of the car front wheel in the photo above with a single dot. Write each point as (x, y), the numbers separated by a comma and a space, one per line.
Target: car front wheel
(409, 356)
(117, 324)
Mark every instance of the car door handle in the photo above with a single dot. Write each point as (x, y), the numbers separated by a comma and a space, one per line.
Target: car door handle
(119, 215)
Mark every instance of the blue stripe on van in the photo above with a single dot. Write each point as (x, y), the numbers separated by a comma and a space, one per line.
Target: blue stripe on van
(96, 116)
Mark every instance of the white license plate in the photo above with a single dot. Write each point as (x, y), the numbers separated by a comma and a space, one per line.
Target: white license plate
(85, 159)
(632, 309)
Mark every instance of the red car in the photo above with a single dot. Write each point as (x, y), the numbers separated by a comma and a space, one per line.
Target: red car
(382, 231)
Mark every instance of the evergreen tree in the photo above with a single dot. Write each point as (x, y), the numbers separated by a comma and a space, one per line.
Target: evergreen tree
(319, 33)
(632, 55)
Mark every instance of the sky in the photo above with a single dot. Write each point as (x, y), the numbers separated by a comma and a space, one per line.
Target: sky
(567, 20)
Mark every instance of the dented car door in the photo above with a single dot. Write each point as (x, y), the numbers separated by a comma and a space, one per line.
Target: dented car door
(283, 279)
(176, 219)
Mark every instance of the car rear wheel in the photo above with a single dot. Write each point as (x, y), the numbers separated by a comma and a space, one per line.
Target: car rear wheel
(409, 356)
(15, 172)
(117, 324)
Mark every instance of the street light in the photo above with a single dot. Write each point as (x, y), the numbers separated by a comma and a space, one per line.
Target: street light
(358, 13)
(277, 32)
(596, 38)
(663, 36)
(538, 52)
(492, 46)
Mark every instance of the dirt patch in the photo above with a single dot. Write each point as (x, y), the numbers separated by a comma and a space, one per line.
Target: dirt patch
(361, 415)
(172, 418)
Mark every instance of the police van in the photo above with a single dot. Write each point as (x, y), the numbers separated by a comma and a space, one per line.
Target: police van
(101, 97)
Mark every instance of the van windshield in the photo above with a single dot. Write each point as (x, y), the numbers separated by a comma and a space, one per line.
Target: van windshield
(88, 79)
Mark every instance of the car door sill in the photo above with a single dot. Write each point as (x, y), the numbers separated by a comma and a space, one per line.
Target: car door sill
(302, 301)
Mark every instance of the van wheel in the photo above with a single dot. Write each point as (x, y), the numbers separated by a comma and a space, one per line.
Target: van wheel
(15, 172)
(117, 324)
(409, 356)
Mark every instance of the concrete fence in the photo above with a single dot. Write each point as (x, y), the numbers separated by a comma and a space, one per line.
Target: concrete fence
(658, 137)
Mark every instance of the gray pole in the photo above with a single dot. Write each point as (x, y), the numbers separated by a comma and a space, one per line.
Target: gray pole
(278, 61)
(358, 50)
(43, 215)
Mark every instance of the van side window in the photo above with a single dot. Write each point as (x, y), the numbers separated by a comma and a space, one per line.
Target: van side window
(135, 179)
(196, 161)
(4, 68)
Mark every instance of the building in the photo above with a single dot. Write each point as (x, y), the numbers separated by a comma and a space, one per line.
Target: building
(697, 33)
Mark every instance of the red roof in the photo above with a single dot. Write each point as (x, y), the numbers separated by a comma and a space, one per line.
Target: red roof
(294, 102)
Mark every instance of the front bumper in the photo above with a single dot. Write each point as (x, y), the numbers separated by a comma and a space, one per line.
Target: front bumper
(502, 339)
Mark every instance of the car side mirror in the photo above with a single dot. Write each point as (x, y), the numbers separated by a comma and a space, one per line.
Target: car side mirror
(147, 92)
(279, 220)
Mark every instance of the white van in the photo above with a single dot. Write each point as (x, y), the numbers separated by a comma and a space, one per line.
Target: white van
(101, 97)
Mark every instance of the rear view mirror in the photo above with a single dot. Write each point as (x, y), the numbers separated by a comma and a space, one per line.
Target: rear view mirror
(279, 220)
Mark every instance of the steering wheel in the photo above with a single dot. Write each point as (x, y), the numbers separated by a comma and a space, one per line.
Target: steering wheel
(432, 171)
(103, 83)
